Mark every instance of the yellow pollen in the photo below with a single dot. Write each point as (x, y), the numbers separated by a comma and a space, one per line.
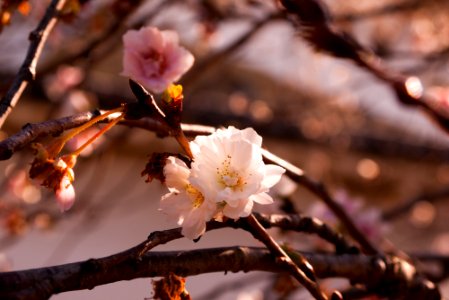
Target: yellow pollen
(227, 177)
(195, 195)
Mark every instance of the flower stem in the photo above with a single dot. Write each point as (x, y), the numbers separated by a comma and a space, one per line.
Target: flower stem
(60, 142)
(98, 134)
(184, 142)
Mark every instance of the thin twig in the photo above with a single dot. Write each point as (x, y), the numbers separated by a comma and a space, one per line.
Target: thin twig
(392, 8)
(296, 222)
(200, 68)
(320, 190)
(27, 71)
(300, 269)
(313, 18)
(405, 206)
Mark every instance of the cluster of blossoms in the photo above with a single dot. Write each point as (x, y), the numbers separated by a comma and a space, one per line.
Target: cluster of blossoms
(227, 175)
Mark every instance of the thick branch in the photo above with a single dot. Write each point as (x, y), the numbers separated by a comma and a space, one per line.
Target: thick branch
(41, 283)
(31, 132)
(27, 71)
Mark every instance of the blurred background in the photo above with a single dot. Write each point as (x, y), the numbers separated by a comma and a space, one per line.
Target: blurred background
(388, 164)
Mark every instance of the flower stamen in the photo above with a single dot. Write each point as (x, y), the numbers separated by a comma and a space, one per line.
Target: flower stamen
(194, 194)
(229, 178)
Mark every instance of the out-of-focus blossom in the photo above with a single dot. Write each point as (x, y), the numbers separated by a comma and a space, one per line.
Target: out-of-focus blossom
(65, 78)
(227, 176)
(368, 220)
(15, 222)
(438, 98)
(154, 58)
(5, 263)
(56, 174)
(80, 139)
(228, 169)
(284, 188)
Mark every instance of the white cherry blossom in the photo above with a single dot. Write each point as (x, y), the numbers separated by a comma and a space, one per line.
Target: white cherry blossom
(227, 176)
(228, 169)
(185, 203)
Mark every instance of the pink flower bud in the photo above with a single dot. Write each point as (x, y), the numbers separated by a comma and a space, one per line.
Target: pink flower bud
(65, 195)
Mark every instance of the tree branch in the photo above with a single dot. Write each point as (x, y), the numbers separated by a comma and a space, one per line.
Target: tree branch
(27, 71)
(313, 18)
(300, 269)
(33, 131)
(393, 275)
(320, 190)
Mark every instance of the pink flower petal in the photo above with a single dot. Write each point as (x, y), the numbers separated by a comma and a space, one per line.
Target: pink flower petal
(65, 197)
(154, 58)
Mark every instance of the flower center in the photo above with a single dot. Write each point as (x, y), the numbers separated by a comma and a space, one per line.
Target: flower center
(195, 195)
(159, 61)
(227, 177)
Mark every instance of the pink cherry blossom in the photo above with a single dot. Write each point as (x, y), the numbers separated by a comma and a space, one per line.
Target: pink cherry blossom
(154, 58)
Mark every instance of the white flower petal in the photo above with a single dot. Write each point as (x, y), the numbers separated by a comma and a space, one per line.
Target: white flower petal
(176, 174)
(251, 135)
(273, 174)
(65, 197)
(243, 209)
(262, 198)
(285, 187)
(194, 225)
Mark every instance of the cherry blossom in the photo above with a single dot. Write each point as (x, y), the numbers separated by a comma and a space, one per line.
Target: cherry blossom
(227, 176)
(154, 58)
(228, 169)
(56, 174)
(185, 203)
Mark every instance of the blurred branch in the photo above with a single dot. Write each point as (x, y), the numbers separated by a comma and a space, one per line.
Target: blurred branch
(122, 14)
(403, 6)
(440, 259)
(230, 286)
(27, 71)
(217, 58)
(318, 189)
(313, 18)
(405, 206)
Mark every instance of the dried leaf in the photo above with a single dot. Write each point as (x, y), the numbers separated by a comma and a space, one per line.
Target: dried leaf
(171, 287)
